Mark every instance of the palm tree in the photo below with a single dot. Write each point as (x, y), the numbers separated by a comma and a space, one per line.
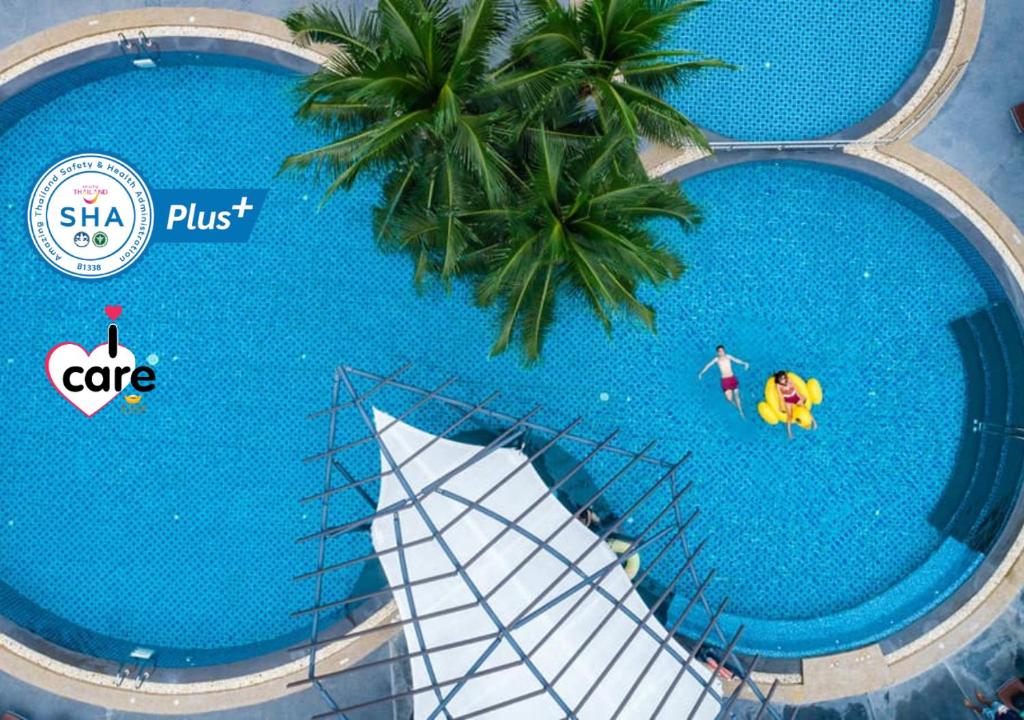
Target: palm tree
(524, 178)
(618, 47)
(409, 91)
(582, 228)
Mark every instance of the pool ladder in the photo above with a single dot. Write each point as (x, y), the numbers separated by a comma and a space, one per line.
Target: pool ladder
(145, 48)
(141, 662)
(1010, 431)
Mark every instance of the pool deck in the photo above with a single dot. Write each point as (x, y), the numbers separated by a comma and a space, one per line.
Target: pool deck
(992, 658)
(23, 18)
(967, 143)
(29, 700)
(973, 132)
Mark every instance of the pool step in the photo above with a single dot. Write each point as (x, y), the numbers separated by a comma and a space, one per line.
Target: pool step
(959, 483)
(994, 380)
(1004, 490)
(987, 472)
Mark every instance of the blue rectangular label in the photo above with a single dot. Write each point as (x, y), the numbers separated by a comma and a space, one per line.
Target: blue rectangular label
(206, 216)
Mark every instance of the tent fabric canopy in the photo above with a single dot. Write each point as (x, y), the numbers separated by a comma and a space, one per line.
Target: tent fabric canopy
(484, 586)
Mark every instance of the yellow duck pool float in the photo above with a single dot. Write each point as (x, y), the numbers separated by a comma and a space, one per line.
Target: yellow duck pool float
(772, 411)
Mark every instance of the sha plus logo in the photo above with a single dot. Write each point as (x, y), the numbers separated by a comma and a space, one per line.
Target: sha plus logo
(89, 380)
(90, 215)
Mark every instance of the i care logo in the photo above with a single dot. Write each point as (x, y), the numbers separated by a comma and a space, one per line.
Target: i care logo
(90, 215)
(90, 379)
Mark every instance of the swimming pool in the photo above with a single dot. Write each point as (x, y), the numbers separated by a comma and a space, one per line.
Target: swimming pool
(176, 528)
(805, 69)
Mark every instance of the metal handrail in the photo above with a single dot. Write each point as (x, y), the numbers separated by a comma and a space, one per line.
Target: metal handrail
(729, 145)
(1008, 431)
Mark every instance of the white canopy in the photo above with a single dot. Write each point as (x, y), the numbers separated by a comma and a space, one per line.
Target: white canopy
(441, 621)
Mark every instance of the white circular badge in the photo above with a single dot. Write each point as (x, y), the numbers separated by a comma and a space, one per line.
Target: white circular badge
(90, 215)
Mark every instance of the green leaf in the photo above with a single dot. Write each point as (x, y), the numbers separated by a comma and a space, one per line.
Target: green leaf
(539, 314)
(320, 24)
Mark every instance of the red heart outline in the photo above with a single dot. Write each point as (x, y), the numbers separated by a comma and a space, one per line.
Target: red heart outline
(46, 367)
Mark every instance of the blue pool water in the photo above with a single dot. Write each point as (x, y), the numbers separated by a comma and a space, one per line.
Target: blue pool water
(805, 68)
(176, 528)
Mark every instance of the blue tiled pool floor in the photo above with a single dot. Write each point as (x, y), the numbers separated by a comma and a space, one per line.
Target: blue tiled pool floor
(806, 68)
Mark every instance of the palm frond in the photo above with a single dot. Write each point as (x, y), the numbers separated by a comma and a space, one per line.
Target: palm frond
(507, 262)
(395, 188)
(473, 143)
(399, 23)
(657, 120)
(663, 16)
(355, 36)
(616, 114)
(548, 175)
(659, 76)
(482, 22)
(539, 313)
(531, 85)
(643, 28)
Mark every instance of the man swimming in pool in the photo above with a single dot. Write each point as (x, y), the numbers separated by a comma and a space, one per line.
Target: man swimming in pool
(790, 397)
(730, 385)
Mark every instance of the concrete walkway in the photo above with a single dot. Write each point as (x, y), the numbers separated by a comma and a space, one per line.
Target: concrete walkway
(973, 131)
(353, 689)
(994, 657)
(22, 18)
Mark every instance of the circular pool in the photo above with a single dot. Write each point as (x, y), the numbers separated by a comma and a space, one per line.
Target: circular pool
(804, 69)
(176, 528)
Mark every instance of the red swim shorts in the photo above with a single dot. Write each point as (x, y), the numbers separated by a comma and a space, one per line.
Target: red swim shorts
(730, 383)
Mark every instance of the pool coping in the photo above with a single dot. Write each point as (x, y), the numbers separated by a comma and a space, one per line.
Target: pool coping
(264, 34)
(260, 37)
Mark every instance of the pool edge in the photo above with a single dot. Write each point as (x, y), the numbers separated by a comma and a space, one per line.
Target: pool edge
(260, 31)
(175, 698)
(953, 40)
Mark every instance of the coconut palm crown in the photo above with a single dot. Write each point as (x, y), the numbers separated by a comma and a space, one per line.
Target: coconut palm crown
(619, 45)
(582, 228)
(511, 162)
